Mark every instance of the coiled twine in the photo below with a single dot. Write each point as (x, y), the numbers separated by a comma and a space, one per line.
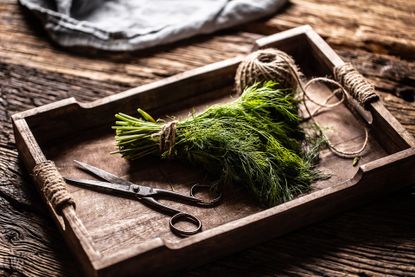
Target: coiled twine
(267, 65)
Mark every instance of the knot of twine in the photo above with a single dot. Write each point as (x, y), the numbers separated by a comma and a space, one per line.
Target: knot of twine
(167, 136)
(275, 65)
(265, 65)
(356, 84)
(52, 185)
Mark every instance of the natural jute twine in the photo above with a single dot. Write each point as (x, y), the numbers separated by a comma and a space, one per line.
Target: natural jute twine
(356, 84)
(167, 137)
(52, 185)
(271, 64)
(265, 65)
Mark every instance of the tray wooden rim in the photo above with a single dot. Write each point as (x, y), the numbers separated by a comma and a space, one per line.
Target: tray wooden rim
(77, 235)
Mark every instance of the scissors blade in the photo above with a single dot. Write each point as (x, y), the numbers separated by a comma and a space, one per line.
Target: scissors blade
(101, 186)
(103, 174)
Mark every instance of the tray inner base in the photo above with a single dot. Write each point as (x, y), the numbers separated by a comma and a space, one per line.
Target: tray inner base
(116, 223)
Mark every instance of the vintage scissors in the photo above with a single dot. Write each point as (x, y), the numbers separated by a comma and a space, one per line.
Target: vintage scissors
(148, 195)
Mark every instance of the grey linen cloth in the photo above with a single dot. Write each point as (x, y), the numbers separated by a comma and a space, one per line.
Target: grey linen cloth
(123, 25)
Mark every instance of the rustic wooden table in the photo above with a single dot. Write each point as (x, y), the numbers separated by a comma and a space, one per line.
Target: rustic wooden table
(376, 36)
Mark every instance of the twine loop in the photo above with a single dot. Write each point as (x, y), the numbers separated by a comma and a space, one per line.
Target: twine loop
(356, 84)
(52, 185)
(272, 64)
(167, 136)
(325, 104)
(311, 115)
(265, 65)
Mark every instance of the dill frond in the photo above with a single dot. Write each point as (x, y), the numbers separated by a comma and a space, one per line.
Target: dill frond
(255, 140)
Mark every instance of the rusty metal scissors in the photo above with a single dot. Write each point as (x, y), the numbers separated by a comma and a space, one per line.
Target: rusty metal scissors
(148, 195)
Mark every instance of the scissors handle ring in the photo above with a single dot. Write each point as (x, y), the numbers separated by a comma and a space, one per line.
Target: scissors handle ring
(188, 218)
(197, 187)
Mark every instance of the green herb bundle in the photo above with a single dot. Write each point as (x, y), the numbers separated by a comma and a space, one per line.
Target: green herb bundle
(256, 140)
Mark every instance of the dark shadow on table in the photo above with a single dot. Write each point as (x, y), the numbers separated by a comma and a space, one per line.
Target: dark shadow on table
(354, 239)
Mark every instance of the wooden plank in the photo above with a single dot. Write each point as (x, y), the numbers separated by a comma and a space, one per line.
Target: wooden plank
(22, 45)
(374, 25)
(371, 179)
(349, 244)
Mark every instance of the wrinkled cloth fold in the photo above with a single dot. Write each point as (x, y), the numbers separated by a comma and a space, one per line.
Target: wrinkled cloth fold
(124, 25)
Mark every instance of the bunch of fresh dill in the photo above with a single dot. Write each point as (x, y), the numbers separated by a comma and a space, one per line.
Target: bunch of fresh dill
(255, 140)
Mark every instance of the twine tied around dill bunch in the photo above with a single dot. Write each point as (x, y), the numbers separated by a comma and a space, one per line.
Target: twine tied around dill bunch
(275, 65)
(167, 136)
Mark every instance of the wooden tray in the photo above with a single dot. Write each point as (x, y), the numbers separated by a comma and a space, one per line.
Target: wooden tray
(116, 236)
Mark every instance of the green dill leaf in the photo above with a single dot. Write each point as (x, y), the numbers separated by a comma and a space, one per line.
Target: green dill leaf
(256, 140)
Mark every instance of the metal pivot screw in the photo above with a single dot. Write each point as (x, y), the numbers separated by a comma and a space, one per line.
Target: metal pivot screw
(136, 188)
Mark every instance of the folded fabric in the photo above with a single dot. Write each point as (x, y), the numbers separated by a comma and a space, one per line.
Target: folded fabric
(123, 25)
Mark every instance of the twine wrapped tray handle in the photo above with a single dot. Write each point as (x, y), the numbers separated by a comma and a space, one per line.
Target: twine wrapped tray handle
(52, 185)
(357, 85)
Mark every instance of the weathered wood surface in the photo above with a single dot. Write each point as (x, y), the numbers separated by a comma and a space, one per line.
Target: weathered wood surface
(375, 25)
(375, 240)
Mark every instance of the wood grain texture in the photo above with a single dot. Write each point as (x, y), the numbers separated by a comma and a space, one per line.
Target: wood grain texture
(376, 25)
(376, 240)
(394, 79)
(20, 44)
(114, 223)
(30, 244)
(34, 72)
